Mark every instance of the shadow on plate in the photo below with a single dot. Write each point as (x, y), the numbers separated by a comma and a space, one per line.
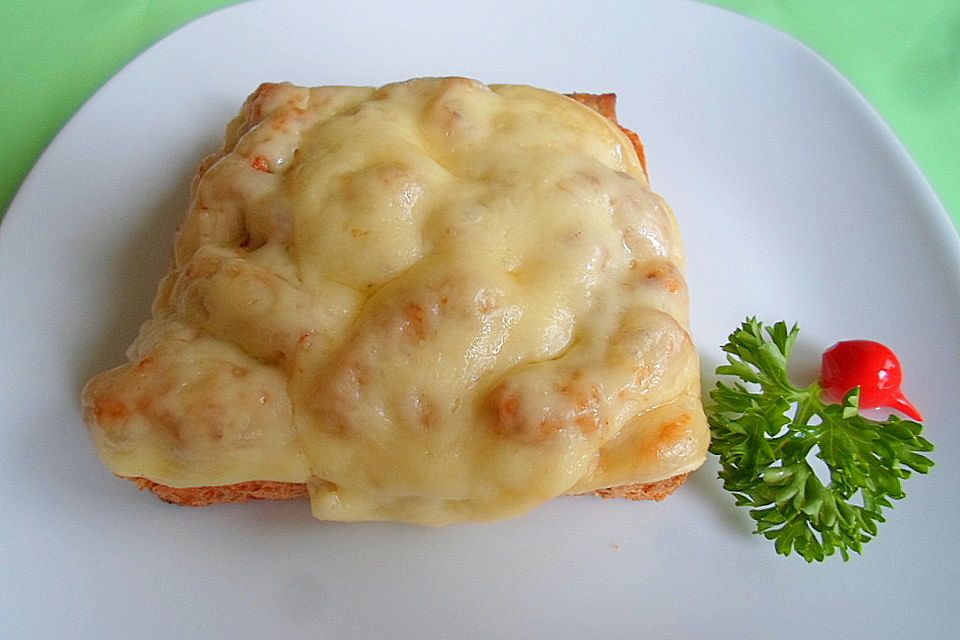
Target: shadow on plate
(704, 481)
(135, 271)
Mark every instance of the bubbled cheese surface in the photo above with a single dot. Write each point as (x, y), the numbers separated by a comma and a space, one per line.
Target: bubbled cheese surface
(435, 301)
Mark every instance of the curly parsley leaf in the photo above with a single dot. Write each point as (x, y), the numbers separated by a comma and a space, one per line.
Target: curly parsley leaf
(765, 431)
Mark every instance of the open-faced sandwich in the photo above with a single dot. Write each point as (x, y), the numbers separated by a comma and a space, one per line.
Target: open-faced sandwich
(434, 301)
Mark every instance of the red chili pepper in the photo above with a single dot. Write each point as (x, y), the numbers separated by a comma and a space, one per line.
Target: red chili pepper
(871, 366)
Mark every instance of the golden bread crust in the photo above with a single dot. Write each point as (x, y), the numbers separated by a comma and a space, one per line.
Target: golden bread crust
(240, 492)
(270, 490)
(606, 105)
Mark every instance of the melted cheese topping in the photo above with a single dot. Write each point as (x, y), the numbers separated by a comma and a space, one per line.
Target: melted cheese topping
(432, 302)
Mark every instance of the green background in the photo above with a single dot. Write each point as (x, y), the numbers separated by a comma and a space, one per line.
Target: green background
(903, 55)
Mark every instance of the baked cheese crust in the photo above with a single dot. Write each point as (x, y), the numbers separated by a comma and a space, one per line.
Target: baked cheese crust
(434, 301)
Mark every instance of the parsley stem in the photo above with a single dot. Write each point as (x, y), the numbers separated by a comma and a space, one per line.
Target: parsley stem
(808, 405)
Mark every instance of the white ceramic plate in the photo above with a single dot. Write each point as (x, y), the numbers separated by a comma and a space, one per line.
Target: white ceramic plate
(796, 202)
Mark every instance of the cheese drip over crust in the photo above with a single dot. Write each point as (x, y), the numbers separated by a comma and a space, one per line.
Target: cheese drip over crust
(434, 301)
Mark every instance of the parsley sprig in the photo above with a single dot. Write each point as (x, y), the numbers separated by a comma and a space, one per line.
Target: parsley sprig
(765, 430)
